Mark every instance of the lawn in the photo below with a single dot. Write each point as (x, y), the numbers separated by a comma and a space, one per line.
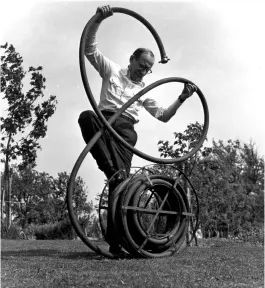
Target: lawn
(62, 263)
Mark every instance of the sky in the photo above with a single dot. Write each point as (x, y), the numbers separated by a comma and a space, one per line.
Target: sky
(218, 45)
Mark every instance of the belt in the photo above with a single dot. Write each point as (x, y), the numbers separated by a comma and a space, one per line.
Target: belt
(111, 113)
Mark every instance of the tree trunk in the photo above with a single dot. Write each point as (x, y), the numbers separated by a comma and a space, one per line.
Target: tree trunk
(8, 196)
(2, 199)
(186, 189)
(7, 186)
(188, 235)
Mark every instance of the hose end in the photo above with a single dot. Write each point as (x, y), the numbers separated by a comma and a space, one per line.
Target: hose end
(164, 60)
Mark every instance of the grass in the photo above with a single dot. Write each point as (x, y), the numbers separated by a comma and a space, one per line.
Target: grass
(63, 263)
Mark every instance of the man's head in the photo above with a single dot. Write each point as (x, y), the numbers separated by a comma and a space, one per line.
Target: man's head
(141, 62)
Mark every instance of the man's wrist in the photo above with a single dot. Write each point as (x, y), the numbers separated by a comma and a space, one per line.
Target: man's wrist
(182, 98)
(99, 20)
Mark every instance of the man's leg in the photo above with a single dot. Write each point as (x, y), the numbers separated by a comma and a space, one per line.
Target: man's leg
(110, 155)
(123, 155)
(122, 158)
(90, 125)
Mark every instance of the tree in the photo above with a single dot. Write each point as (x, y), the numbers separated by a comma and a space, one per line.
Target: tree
(252, 175)
(228, 178)
(26, 117)
(32, 197)
(81, 206)
(253, 168)
(94, 230)
(241, 181)
(184, 143)
(39, 198)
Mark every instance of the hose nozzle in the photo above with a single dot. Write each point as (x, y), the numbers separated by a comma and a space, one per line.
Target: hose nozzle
(164, 60)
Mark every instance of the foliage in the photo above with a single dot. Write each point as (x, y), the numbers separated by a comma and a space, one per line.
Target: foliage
(29, 231)
(254, 236)
(31, 196)
(38, 198)
(81, 206)
(228, 178)
(25, 119)
(59, 230)
(93, 229)
(12, 232)
(183, 144)
(228, 190)
(26, 116)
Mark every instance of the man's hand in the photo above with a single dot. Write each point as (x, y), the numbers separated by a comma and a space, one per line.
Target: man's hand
(105, 12)
(188, 90)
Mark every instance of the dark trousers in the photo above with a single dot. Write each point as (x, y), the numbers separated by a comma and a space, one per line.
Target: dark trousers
(109, 152)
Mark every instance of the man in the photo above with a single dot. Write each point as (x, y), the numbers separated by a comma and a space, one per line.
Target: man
(118, 86)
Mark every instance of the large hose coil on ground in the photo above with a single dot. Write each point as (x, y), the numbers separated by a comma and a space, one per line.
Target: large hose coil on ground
(150, 212)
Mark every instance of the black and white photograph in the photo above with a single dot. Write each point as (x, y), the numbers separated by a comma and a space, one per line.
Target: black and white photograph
(132, 143)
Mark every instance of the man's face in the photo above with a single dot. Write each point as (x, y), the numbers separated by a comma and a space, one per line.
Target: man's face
(142, 66)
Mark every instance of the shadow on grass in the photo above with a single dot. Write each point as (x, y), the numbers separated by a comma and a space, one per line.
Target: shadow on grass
(6, 255)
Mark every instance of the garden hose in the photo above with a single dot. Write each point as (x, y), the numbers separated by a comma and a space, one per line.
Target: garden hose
(135, 238)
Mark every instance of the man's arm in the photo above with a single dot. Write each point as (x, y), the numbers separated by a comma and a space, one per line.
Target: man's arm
(165, 114)
(94, 56)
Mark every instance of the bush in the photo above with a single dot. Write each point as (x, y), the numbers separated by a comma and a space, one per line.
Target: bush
(59, 230)
(13, 232)
(252, 236)
(29, 231)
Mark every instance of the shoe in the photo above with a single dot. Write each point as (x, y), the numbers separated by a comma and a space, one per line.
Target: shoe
(117, 252)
